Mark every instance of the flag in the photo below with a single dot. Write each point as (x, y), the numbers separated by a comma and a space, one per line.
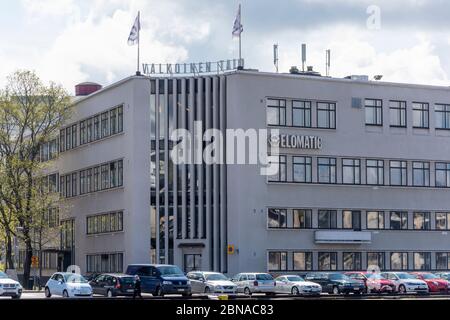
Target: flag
(133, 38)
(237, 27)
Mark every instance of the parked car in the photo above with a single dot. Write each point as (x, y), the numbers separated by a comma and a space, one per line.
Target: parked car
(443, 275)
(254, 282)
(113, 285)
(210, 282)
(434, 282)
(374, 282)
(296, 285)
(406, 283)
(336, 283)
(161, 279)
(67, 285)
(9, 287)
(92, 276)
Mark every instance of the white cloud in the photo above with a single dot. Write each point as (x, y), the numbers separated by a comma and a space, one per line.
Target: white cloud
(48, 7)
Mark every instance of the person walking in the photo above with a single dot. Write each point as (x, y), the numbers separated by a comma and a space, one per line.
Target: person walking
(137, 287)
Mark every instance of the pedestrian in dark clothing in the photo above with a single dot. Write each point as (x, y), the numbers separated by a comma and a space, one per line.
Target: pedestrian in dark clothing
(137, 287)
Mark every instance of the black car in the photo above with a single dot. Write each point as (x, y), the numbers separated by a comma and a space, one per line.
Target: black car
(113, 285)
(336, 283)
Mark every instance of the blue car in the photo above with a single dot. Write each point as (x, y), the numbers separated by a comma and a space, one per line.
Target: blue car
(161, 279)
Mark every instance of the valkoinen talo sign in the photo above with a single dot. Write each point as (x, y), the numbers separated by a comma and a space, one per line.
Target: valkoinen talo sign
(192, 68)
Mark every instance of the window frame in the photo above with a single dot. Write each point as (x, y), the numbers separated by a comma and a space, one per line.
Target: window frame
(332, 178)
(423, 109)
(378, 117)
(401, 108)
(330, 110)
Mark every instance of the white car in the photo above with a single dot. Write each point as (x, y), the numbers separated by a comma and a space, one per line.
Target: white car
(9, 287)
(254, 282)
(296, 285)
(68, 285)
(210, 282)
(406, 283)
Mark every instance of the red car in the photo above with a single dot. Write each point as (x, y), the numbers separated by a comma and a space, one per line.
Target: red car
(374, 282)
(435, 284)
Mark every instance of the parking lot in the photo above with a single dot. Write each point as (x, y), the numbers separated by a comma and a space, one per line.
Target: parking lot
(36, 295)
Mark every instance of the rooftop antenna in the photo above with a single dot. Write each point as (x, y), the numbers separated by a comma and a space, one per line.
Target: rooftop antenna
(303, 56)
(328, 62)
(275, 56)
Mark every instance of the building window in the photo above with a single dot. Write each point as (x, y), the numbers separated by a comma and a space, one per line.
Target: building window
(105, 223)
(421, 221)
(74, 184)
(375, 172)
(351, 171)
(302, 219)
(120, 119)
(399, 220)
(442, 261)
(276, 112)
(105, 124)
(104, 263)
(67, 234)
(83, 133)
(422, 260)
(398, 173)
(421, 174)
(375, 220)
(301, 114)
(397, 113)
(375, 260)
(277, 218)
(192, 262)
(442, 116)
(326, 170)
(442, 175)
(277, 261)
(352, 261)
(327, 219)
(442, 219)
(74, 136)
(327, 261)
(399, 261)
(326, 115)
(302, 169)
(420, 115)
(280, 176)
(302, 261)
(374, 112)
(351, 220)
(113, 121)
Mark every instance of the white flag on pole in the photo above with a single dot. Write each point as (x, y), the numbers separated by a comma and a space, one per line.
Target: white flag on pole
(133, 38)
(237, 27)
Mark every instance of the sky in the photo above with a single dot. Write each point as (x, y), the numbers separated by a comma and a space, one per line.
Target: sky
(71, 41)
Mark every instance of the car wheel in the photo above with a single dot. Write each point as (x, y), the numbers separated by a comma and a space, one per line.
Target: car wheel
(109, 294)
(47, 292)
(335, 290)
(402, 289)
(207, 290)
(159, 292)
(295, 291)
(247, 292)
(65, 294)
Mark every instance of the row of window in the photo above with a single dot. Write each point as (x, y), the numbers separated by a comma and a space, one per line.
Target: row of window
(104, 263)
(351, 171)
(98, 178)
(104, 223)
(301, 111)
(352, 219)
(94, 128)
(48, 260)
(48, 150)
(352, 261)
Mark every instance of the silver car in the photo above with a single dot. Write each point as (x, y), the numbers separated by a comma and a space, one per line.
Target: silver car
(210, 282)
(296, 285)
(254, 282)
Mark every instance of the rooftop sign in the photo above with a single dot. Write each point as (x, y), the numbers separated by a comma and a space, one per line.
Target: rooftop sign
(197, 68)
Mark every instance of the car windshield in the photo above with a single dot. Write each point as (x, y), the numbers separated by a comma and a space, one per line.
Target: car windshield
(338, 276)
(263, 276)
(375, 276)
(215, 277)
(295, 279)
(430, 276)
(405, 276)
(75, 278)
(3, 275)
(170, 271)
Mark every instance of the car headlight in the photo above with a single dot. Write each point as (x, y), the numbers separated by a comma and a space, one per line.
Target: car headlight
(218, 287)
(435, 283)
(165, 282)
(188, 282)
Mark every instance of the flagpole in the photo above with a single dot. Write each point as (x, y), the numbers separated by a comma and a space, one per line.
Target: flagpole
(138, 72)
(240, 37)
